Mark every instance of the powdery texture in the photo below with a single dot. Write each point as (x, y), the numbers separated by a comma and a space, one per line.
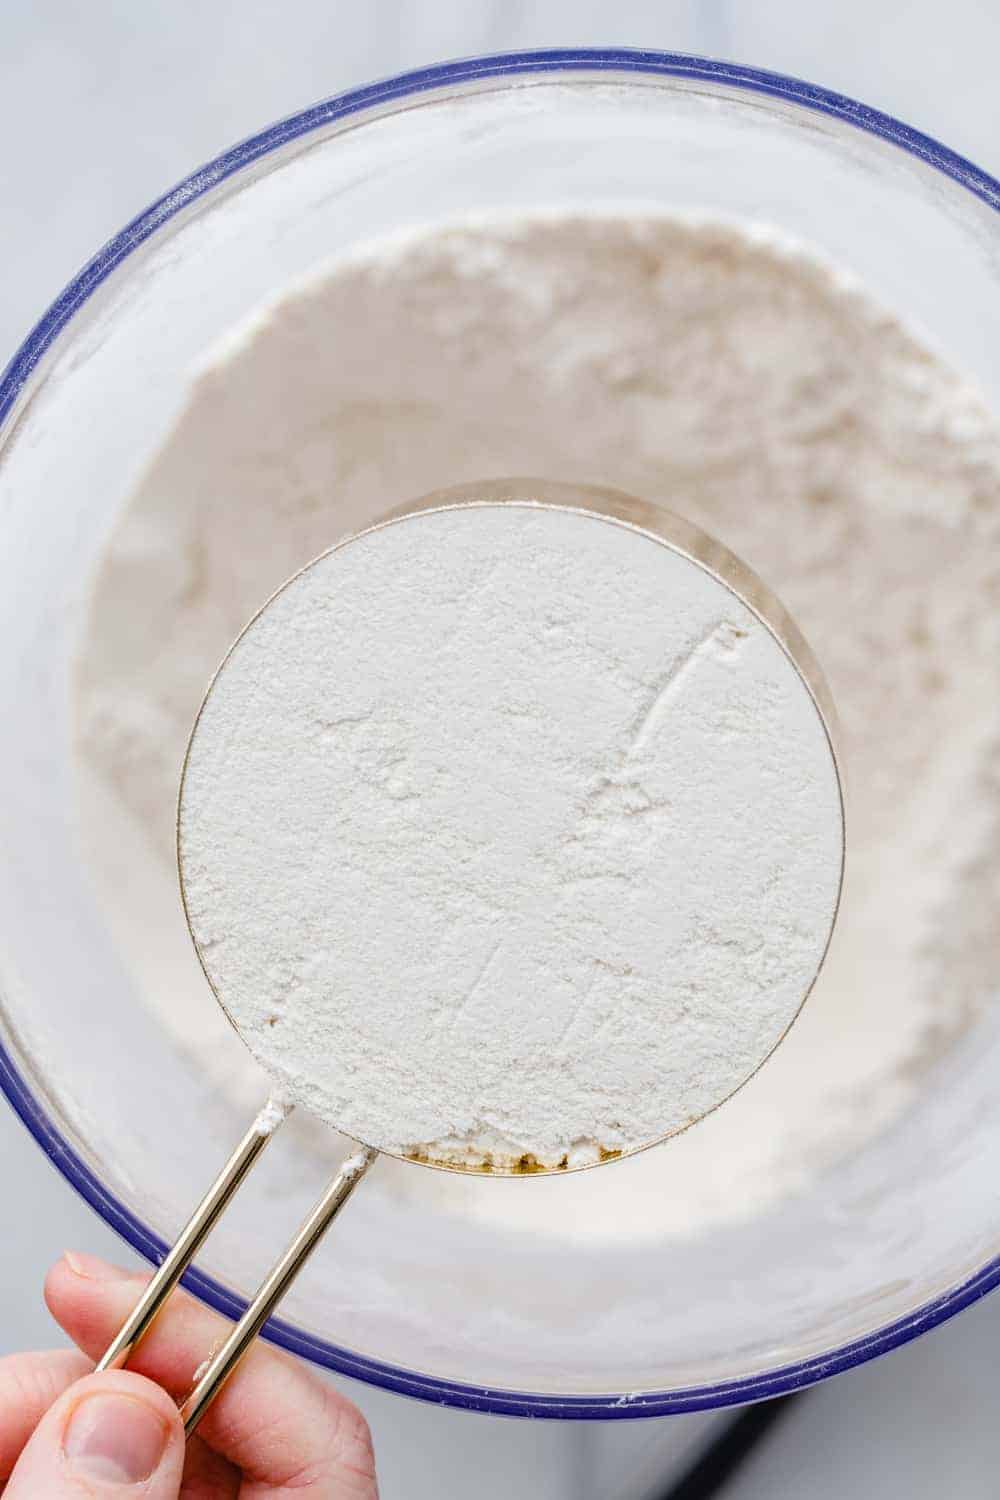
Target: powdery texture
(712, 369)
(508, 832)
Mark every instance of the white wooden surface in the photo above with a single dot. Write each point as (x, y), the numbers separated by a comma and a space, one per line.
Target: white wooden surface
(104, 105)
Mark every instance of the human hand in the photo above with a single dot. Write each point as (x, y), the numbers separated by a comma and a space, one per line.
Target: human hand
(65, 1433)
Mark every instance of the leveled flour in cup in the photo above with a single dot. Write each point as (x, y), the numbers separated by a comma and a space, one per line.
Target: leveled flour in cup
(730, 378)
(510, 836)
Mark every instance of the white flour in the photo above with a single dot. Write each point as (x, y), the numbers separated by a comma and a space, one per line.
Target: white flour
(723, 375)
(510, 836)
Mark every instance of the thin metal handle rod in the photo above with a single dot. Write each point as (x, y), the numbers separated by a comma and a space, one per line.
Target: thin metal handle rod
(195, 1231)
(223, 1363)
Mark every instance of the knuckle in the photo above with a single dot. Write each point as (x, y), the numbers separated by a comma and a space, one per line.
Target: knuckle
(29, 1384)
(344, 1453)
(26, 1385)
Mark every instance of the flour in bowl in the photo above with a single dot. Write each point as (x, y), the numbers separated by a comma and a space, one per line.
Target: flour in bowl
(708, 368)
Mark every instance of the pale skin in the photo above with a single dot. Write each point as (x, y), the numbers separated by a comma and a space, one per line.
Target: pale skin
(274, 1432)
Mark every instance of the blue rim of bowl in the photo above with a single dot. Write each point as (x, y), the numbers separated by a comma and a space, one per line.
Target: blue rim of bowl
(406, 86)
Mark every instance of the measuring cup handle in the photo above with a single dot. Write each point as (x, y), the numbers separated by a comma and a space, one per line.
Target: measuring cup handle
(191, 1237)
(272, 1289)
(225, 1361)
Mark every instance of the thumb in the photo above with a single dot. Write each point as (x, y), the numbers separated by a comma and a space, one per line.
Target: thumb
(107, 1434)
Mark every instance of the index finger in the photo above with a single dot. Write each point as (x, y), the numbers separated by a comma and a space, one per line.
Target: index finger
(277, 1421)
